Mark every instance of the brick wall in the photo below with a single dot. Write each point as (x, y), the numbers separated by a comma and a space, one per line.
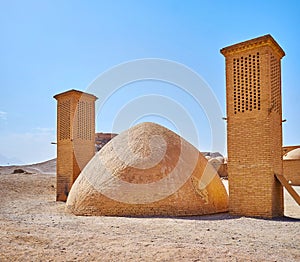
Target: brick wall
(291, 171)
(254, 132)
(75, 137)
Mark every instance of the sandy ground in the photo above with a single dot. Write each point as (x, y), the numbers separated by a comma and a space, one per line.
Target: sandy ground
(33, 227)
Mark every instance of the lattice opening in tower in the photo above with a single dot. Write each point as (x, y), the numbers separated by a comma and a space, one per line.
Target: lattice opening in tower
(246, 83)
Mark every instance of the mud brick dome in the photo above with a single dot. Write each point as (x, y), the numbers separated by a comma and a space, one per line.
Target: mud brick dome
(148, 170)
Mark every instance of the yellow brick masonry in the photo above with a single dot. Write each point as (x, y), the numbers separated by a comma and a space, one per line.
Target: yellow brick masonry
(291, 167)
(291, 171)
(75, 137)
(254, 127)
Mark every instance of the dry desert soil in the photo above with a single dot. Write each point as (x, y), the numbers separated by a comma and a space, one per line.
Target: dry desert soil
(34, 227)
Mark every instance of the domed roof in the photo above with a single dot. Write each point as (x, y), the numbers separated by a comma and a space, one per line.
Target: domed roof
(294, 154)
(148, 170)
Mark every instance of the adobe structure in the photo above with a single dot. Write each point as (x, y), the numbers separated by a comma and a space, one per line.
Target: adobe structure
(148, 170)
(254, 127)
(75, 138)
(254, 135)
(101, 139)
(291, 164)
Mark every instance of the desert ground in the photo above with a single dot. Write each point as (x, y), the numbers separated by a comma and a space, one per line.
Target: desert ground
(34, 227)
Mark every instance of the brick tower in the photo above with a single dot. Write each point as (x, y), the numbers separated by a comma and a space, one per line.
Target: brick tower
(75, 137)
(254, 127)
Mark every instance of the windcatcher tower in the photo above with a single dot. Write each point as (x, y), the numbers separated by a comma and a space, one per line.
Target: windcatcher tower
(75, 137)
(254, 127)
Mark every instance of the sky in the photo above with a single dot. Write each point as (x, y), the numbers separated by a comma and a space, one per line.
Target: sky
(48, 47)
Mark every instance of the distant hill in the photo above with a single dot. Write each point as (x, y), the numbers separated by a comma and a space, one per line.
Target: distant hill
(47, 167)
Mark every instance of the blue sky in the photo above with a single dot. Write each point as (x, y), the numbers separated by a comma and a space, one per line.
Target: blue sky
(48, 47)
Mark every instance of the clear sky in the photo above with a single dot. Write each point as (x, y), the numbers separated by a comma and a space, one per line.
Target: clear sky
(48, 47)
